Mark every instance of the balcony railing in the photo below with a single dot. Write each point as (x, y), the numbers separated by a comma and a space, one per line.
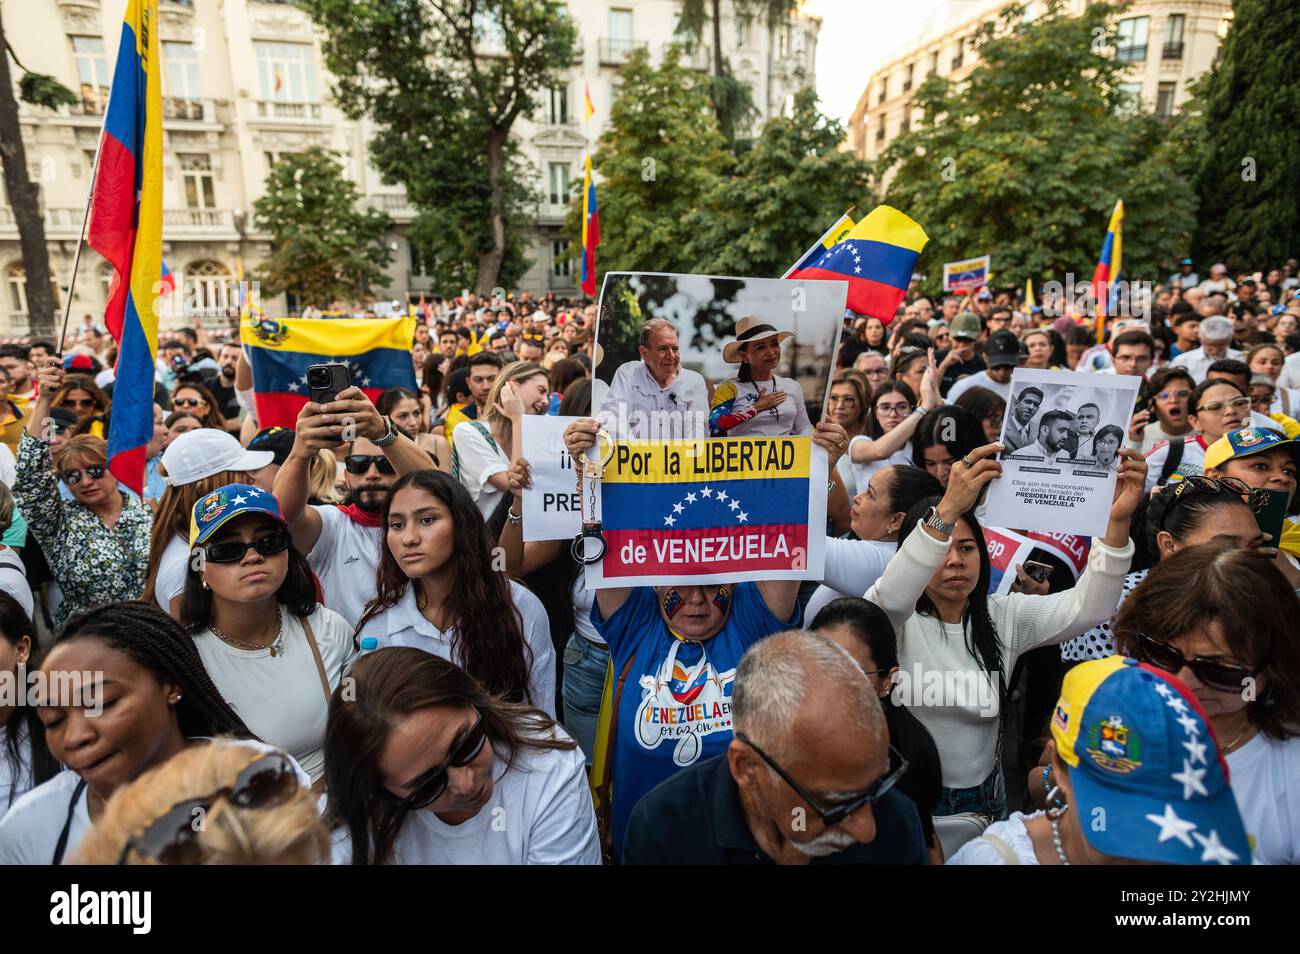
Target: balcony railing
(396, 205)
(198, 220)
(617, 50)
(1131, 54)
(275, 109)
(1172, 51)
(15, 324)
(694, 55)
(183, 109)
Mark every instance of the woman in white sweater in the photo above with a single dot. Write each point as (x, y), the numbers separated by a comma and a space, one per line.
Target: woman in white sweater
(957, 645)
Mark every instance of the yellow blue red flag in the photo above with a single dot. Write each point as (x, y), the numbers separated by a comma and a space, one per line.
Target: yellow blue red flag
(126, 228)
(1110, 263)
(830, 238)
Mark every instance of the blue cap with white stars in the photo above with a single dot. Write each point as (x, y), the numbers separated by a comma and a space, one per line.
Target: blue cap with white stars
(226, 503)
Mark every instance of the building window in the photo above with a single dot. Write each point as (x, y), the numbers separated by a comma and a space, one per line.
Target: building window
(1132, 97)
(196, 174)
(419, 260)
(559, 176)
(934, 62)
(1165, 100)
(905, 125)
(908, 76)
(92, 72)
(960, 57)
(487, 31)
(16, 288)
(1131, 41)
(880, 131)
(742, 32)
(557, 106)
(884, 90)
(183, 95)
(1173, 42)
(286, 72)
(561, 264)
(211, 287)
(620, 32)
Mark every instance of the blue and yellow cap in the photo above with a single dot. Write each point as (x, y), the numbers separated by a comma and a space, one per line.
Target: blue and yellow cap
(226, 503)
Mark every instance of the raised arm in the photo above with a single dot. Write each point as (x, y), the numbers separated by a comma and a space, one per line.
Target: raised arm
(580, 437)
(885, 446)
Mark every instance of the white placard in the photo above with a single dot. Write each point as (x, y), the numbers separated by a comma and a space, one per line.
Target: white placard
(551, 507)
(1062, 435)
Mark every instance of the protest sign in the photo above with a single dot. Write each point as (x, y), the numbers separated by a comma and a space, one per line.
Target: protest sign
(552, 506)
(1006, 550)
(1071, 549)
(712, 511)
(1062, 435)
(966, 275)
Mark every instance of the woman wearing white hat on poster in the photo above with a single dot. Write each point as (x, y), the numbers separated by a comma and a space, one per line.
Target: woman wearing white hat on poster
(757, 402)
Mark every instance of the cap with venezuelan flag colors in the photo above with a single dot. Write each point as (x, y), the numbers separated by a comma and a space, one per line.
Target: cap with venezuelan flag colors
(1247, 441)
(223, 505)
(1140, 747)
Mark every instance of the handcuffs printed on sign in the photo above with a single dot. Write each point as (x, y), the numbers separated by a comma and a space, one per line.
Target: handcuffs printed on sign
(589, 474)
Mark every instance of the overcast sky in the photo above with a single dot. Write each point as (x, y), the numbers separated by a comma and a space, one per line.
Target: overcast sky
(856, 37)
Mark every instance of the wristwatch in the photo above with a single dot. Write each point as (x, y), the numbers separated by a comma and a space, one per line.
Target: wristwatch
(934, 522)
(388, 437)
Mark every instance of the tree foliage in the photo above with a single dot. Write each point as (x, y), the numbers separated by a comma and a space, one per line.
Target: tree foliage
(444, 82)
(324, 247)
(1248, 160)
(1025, 158)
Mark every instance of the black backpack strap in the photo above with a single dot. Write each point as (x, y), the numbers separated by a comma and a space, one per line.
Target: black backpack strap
(62, 846)
(1172, 461)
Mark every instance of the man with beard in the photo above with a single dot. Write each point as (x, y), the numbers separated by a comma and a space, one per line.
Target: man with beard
(342, 542)
(809, 777)
(1054, 432)
(223, 385)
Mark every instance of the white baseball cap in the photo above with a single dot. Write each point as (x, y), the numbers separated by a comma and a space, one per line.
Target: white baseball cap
(206, 451)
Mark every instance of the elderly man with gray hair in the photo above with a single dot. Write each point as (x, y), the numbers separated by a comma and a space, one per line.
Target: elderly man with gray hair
(808, 779)
(1216, 336)
(655, 397)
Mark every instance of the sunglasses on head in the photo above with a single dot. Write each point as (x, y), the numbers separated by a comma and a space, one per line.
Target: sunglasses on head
(837, 813)
(1208, 671)
(232, 551)
(173, 839)
(73, 477)
(1255, 499)
(434, 782)
(358, 464)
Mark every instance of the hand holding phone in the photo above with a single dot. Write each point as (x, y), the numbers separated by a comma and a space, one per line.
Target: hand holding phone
(326, 381)
(1036, 570)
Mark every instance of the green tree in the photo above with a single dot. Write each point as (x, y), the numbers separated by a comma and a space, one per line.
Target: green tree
(660, 157)
(1025, 158)
(1249, 157)
(444, 82)
(37, 89)
(793, 184)
(325, 247)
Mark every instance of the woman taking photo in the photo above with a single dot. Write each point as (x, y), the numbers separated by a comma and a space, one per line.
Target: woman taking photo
(1241, 659)
(891, 424)
(757, 402)
(849, 407)
(484, 449)
(250, 606)
(25, 761)
(438, 590)
(151, 698)
(935, 591)
(425, 767)
(194, 398)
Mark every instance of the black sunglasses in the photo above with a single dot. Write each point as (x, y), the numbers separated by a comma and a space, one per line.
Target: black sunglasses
(434, 782)
(833, 816)
(358, 464)
(1211, 673)
(173, 838)
(73, 477)
(232, 551)
(1255, 499)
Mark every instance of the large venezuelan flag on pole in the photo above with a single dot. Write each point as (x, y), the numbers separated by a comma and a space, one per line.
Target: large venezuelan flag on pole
(876, 258)
(1109, 267)
(377, 352)
(590, 218)
(712, 510)
(126, 228)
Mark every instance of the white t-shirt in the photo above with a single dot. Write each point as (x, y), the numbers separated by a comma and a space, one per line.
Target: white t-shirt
(1265, 775)
(791, 415)
(172, 567)
(862, 472)
(479, 462)
(852, 567)
(404, 625)
(8, 466)
(30, 832)
(280, 698)
(13, 783)
(345, 559)
(980, 379)
(540, 813)
(1012, 833)
(1290, 376)
(13, 578)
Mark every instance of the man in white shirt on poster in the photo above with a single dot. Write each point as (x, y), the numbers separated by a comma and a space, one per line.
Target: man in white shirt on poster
(656, 394)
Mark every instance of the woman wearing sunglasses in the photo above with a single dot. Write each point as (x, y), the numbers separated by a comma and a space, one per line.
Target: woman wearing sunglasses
(97, 543)
(250, 605)
(149, 698)
(424, 766)
(254, 806)
(1227, 624)
(195, 399)
(80, 395)
(1214, 408)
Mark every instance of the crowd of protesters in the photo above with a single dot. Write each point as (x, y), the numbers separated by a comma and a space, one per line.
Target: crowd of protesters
(345, 651)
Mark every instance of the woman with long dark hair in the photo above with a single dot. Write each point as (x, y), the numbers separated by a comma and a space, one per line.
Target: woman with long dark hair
(943, 437)
(250, 606)
(423, 766)
(986, 406)
(194, 398)
(150, 697)
(25, 761)
(437, 589)
(936, 593)
(891, 424)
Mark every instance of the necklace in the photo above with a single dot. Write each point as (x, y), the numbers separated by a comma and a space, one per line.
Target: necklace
(759, 392)
(277, 644)
(1056, 840)
(1240, 735)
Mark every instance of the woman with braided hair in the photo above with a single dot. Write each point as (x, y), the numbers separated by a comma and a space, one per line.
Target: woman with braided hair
(125, 691)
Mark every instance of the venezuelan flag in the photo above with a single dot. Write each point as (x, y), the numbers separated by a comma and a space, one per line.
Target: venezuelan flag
(126, 228)
(1109, 268)
(377, 352)
(876, 258)
(830, 238)
(590, 233)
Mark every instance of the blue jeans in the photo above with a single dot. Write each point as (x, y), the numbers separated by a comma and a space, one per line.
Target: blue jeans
(988, 798)
(585, 665)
